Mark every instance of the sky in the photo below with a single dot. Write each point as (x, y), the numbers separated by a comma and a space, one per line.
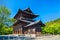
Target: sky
(47, 10)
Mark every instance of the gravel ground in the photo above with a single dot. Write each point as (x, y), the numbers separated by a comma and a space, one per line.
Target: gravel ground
(41, 37)
(49, 37)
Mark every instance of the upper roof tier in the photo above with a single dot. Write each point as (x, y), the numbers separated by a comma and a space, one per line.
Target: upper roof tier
(27, 13)
(28, 10)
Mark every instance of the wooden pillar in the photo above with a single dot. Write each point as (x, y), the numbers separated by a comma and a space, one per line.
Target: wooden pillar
(16, 31)
(29, 31)
(25, 32)
(19, 31)
(38, 31)
(33, 30)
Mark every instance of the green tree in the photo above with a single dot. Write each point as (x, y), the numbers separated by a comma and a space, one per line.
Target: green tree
(52, 27)
(4, 15)
(5, 21)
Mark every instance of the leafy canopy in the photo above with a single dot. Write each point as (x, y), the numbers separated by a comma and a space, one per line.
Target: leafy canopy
(5, 21)
(52, 27)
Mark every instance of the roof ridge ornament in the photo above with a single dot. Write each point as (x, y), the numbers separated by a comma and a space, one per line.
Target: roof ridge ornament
(28, 10)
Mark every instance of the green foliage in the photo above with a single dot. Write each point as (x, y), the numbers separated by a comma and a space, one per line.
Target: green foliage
(6, 30)
(4, 15)
(5, 21)
(52, 27)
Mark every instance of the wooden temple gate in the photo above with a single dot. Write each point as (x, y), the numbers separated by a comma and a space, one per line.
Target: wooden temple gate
(25, 24)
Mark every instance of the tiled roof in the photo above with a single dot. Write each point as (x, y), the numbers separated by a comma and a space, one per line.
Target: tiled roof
(32, 23)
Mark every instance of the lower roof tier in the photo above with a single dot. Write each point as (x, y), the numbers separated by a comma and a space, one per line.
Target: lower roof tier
(35, 23)
(29, 24)
(20, 22)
